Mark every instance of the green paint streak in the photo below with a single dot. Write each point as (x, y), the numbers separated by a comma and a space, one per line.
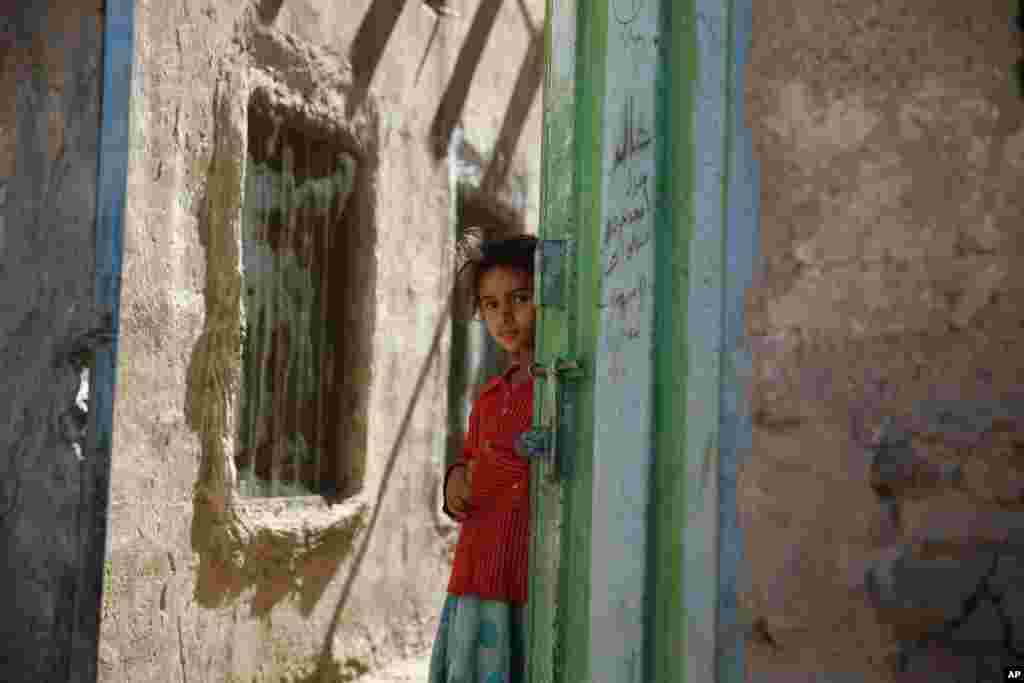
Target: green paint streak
(560, 554)
(592, 47)
(457, 371)
(675, 228)
(283, 294)
(546, 504)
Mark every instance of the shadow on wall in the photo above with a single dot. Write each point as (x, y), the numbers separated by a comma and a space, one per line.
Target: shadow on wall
(523, 96)
(453, 101)
(368, 46)
(524, 93)
(269, 9)
(326, 662)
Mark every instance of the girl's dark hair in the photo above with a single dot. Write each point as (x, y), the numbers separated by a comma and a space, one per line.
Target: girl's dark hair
(476, 256)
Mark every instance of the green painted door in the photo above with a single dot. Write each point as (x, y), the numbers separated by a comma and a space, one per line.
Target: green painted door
(558, 608)
(647, 184)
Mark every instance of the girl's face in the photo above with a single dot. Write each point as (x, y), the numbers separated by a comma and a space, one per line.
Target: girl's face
(506, 304)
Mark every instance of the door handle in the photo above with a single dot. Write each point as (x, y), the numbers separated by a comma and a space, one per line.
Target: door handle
(541, 443)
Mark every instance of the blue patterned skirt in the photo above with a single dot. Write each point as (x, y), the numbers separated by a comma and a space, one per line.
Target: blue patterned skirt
(479, 641)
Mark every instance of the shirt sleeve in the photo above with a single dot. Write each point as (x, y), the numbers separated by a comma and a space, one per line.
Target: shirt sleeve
(472, 441)
(469, 451)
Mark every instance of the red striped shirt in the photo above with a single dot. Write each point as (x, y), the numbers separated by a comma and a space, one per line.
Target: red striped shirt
(491, 558)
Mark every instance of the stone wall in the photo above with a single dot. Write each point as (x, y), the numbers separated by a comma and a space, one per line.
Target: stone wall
(207, 585)
(883, 503)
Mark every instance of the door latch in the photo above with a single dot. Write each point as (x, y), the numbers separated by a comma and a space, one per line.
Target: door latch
(550, 262)
(542, 442)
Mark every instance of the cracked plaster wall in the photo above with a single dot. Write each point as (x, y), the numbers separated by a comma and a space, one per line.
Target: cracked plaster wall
(883, 502)
(204, 586)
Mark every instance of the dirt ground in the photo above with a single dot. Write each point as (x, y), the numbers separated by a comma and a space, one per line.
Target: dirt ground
(413, 670)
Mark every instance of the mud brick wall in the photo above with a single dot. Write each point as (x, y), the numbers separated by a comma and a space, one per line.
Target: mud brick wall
(883, 502)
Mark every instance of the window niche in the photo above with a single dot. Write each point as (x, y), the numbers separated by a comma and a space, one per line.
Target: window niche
(304, 323)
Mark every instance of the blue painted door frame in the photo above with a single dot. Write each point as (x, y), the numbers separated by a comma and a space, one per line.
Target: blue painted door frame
(112, 185)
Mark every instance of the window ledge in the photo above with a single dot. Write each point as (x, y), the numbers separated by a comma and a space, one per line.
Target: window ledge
(305, 521)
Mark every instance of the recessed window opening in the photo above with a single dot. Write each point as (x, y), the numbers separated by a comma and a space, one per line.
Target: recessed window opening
(298, 216)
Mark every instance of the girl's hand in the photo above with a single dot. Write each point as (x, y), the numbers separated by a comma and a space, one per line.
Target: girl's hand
(460, 487)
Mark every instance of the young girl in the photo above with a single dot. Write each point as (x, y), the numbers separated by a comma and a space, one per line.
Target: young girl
(482, 635)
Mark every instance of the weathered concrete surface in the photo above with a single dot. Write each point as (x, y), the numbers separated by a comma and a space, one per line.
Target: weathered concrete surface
(205, 586)
(50, 76)
(411, 670)
(889, 136)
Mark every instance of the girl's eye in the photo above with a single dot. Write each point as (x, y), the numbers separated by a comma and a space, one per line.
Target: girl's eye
(524, 297)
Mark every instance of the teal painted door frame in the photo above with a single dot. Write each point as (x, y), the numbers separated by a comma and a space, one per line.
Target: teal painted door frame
(648, 172)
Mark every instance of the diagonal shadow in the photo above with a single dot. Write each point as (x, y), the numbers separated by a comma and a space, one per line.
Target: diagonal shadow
(523, 95)
(527, 17)
(368, 46)
(454, 99)
(268, 10)
(326, 663)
